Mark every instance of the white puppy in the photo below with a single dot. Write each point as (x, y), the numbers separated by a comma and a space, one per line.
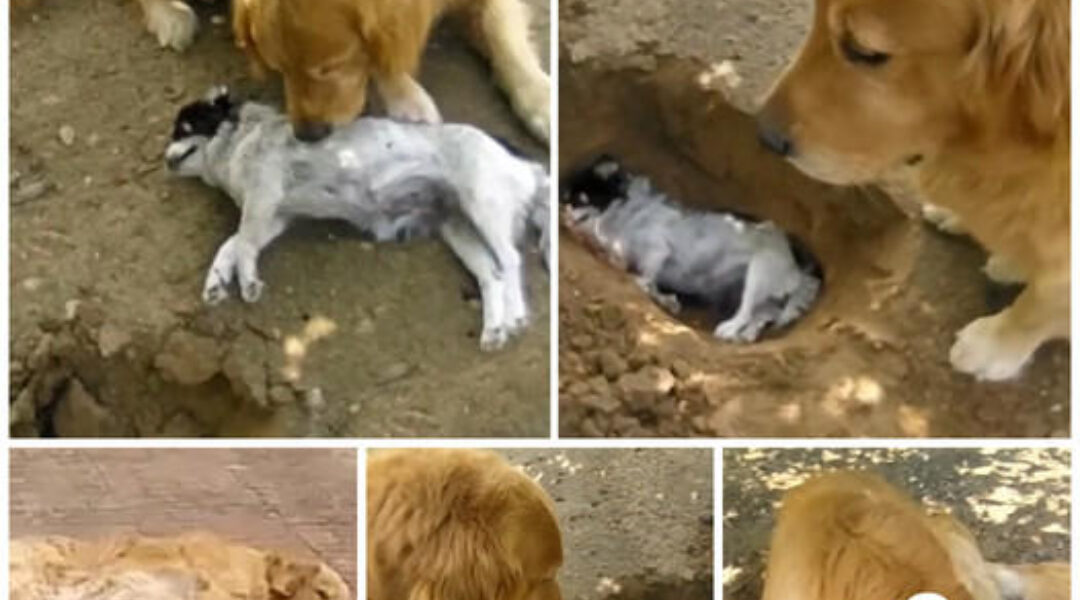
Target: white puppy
(752, 273)
(391, 180)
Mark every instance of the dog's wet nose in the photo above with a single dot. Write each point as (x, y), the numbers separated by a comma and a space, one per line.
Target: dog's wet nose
(775, 140)
(309, 131)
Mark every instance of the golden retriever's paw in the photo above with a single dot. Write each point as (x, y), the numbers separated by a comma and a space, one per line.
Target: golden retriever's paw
(172, 22)
(943, 219)
(1002, 270)
(533, 105)
(415, 106)
(981, 352)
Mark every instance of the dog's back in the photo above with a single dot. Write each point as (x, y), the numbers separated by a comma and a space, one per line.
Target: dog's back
(458, 525)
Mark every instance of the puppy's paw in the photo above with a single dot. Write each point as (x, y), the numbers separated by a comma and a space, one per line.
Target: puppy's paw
(172, 22)
(216, 290)
(981, 352)
(252, 290)
(943, 219)
(1002, 270)
(494, 338)
(739, 331)
(669, 302)
(532, 103)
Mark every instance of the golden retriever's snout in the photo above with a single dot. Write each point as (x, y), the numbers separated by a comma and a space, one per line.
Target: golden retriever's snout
(311, 131)
(773, 131)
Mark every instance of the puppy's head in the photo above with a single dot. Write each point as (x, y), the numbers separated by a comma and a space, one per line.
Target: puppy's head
(290, 579)
(880, 84)
(195, 125)
(590, 191)
(323, 51)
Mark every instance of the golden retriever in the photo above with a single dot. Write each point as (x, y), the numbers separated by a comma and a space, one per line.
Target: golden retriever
(974, 96)
(327, 51)
(458, 525)
(852, 536)
(175, 568)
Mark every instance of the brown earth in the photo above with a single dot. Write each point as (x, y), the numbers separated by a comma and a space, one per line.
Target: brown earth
(1015, 501)
(871, 357)
(108, 255)
(301, 501)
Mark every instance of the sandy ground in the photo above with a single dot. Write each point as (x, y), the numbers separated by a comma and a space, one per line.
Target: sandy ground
(869, 360)
(637, 523)
(108, 255)
(1015, 502)
(251, 496)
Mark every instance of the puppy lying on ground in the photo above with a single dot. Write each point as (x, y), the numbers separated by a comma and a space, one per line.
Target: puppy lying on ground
(188, 567)
(458, 525)
(975, 95)
(327, 51)
(851, 536)
(393, 181)
(752, 273)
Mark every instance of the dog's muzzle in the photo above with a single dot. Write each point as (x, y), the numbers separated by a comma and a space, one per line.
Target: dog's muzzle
(174, 155)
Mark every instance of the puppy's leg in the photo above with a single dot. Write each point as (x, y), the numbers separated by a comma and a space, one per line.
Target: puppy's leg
(500, 30)
(463, 240)
(238, 258)
(406, 99)
(172, 22)
(997, 347)
(799, 301)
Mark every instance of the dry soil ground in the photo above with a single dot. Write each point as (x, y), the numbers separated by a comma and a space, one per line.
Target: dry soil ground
(637, 523)
(871, 357)
(108, 253)
(295, 500)
(1016, 502)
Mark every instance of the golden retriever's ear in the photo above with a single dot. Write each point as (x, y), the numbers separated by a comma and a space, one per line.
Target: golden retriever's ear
(286, 577)
(1021, 56)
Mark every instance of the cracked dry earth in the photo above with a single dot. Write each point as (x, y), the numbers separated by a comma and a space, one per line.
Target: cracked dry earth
(668, 86)
(108, 255)
(1015, 501)
(637, 523)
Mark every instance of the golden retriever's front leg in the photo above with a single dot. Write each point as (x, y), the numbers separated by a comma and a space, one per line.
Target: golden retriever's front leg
(995, 348)
(500, 29)
(406, 99)
(171, 21)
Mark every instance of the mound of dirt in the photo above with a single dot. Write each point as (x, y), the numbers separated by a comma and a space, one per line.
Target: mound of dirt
(108, 255)
(870, 359)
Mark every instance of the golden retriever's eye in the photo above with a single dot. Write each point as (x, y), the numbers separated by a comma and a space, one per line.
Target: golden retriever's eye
(857, 54)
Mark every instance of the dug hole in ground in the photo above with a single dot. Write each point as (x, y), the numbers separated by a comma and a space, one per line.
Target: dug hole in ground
(669, 87)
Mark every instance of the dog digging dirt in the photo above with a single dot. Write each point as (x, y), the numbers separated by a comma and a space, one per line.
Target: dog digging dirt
(393, 181)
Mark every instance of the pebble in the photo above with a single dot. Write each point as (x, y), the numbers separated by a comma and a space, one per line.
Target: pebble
(67, 135)
(29, 191)
(314, 399)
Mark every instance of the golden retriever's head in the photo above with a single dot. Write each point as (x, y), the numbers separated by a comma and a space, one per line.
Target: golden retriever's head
(319, 50)
(290, 579)
(880, 84)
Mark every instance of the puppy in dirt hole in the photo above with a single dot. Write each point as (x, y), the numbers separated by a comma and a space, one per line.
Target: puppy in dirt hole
(750, 272)
(393, 181)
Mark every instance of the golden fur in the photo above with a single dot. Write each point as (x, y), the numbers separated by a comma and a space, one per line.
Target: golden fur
(458, 525)
(975, 93)
(186, 567)
(852, 536)
(328, 51)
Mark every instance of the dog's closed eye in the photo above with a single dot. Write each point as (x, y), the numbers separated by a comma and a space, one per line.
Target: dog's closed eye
(856, 53)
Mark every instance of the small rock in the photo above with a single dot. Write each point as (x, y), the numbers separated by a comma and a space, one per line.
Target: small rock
(643, 389)
(314, 400)
(112, 339)
(604, 404)
(581, 342)
(28, 191)
(182, 425)
(395, 372)
(681, 369)
(67, 135)
(188, 359)
(281, 395)
(611, 364)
